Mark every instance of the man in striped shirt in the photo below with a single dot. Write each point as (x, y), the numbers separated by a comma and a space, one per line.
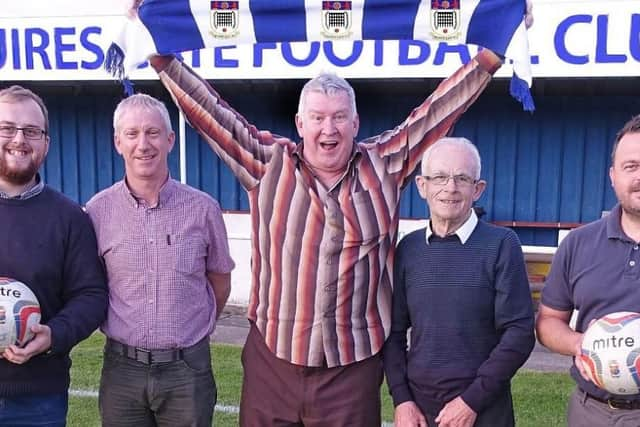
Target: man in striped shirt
(324, 226)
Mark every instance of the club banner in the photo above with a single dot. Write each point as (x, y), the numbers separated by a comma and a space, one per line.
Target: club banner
(67, 41)
(173, 26)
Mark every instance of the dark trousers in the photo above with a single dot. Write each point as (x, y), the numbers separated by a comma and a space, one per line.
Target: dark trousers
(276, 393)
(174, 394)
(498, 414)
(584, 411)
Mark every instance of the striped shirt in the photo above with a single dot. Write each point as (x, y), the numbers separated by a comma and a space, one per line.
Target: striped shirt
(322, 258)
(156, 260)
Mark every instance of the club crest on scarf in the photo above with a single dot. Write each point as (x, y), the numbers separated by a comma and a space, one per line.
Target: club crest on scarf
(224, 19)
(336, 19)
(445, 19)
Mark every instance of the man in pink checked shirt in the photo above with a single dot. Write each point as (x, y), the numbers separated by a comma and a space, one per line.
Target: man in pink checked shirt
(165, 249)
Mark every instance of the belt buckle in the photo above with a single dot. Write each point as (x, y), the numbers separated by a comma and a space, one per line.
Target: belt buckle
(619, 404)
(143, 356)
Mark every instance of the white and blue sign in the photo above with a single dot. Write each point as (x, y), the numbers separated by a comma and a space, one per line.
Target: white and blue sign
(65, 40)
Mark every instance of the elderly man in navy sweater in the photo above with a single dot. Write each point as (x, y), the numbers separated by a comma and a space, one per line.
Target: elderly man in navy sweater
(461, 286)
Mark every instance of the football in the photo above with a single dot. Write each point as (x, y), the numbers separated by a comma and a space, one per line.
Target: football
(19, 310)
(611, 352)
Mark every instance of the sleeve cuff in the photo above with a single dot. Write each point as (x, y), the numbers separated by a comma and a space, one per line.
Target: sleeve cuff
(160, 62)
(474, 399)
(401, 394)
(488, 61)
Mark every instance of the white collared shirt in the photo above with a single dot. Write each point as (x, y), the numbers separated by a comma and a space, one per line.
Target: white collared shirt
(463, 233)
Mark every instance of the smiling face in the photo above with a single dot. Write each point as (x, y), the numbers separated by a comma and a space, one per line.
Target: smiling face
(625, 174)
(328, 126)
(450, 204)
(144, 142)
(20, 158)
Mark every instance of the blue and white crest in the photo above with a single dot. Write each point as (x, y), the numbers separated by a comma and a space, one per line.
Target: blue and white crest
(336, 19)
(224, 19)
(445, 19)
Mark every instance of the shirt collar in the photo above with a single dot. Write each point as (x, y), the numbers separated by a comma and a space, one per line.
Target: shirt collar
(167, 190)
(28, 193)
(463, 233)
(614, 224)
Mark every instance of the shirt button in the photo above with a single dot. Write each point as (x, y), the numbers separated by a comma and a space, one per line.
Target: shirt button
(632, 263)
(151, 241)
(150, 301)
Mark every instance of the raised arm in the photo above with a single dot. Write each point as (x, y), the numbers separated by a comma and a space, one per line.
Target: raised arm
(403, 146)
(244, 148)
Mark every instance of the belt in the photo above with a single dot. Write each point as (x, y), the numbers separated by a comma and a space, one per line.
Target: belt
(617, 403)
(148, 357)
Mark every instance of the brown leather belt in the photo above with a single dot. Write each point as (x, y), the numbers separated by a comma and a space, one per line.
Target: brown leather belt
(148, 357)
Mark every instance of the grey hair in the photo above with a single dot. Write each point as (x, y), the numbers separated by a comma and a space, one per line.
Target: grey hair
(141, 100)
(456, 142)
(329, 84)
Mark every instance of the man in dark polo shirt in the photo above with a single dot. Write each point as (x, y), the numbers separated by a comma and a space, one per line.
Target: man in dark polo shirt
(596, 271)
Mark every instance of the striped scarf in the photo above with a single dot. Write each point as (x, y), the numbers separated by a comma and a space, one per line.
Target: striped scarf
(173, 26)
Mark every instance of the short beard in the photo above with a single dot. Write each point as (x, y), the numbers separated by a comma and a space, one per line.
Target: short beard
(18, 177)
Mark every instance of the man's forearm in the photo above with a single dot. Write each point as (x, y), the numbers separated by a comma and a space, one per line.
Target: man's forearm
(221, 285)
(556, 335)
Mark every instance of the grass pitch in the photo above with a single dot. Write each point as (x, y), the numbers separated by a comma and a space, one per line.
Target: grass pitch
(540, 399)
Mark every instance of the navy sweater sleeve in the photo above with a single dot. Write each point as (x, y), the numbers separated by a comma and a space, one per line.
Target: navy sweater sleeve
(394, 352)
(513, 319)
(84, 292)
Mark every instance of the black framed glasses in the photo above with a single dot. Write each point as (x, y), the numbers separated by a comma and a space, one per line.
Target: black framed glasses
(30, 132)
(444, 179)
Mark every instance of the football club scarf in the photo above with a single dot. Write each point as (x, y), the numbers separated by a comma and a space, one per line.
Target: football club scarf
(173, 26)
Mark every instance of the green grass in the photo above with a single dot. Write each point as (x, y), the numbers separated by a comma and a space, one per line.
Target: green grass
(540, 398)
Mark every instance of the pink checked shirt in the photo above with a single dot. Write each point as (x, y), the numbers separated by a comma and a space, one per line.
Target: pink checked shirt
(156, 260)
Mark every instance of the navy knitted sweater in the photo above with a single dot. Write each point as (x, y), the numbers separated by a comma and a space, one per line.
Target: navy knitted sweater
(48, 243)
(471, 318)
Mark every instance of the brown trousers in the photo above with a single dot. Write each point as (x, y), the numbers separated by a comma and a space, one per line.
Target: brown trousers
(276, 393)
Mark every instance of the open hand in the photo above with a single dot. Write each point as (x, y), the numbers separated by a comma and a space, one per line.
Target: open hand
(408, 414)
(40, 343)
(456, 413)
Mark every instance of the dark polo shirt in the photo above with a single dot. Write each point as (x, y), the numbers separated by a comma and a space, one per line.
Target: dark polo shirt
(596, 270)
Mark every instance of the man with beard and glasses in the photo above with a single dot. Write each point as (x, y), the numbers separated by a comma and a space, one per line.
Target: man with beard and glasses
(46, 242)
(596, 271)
